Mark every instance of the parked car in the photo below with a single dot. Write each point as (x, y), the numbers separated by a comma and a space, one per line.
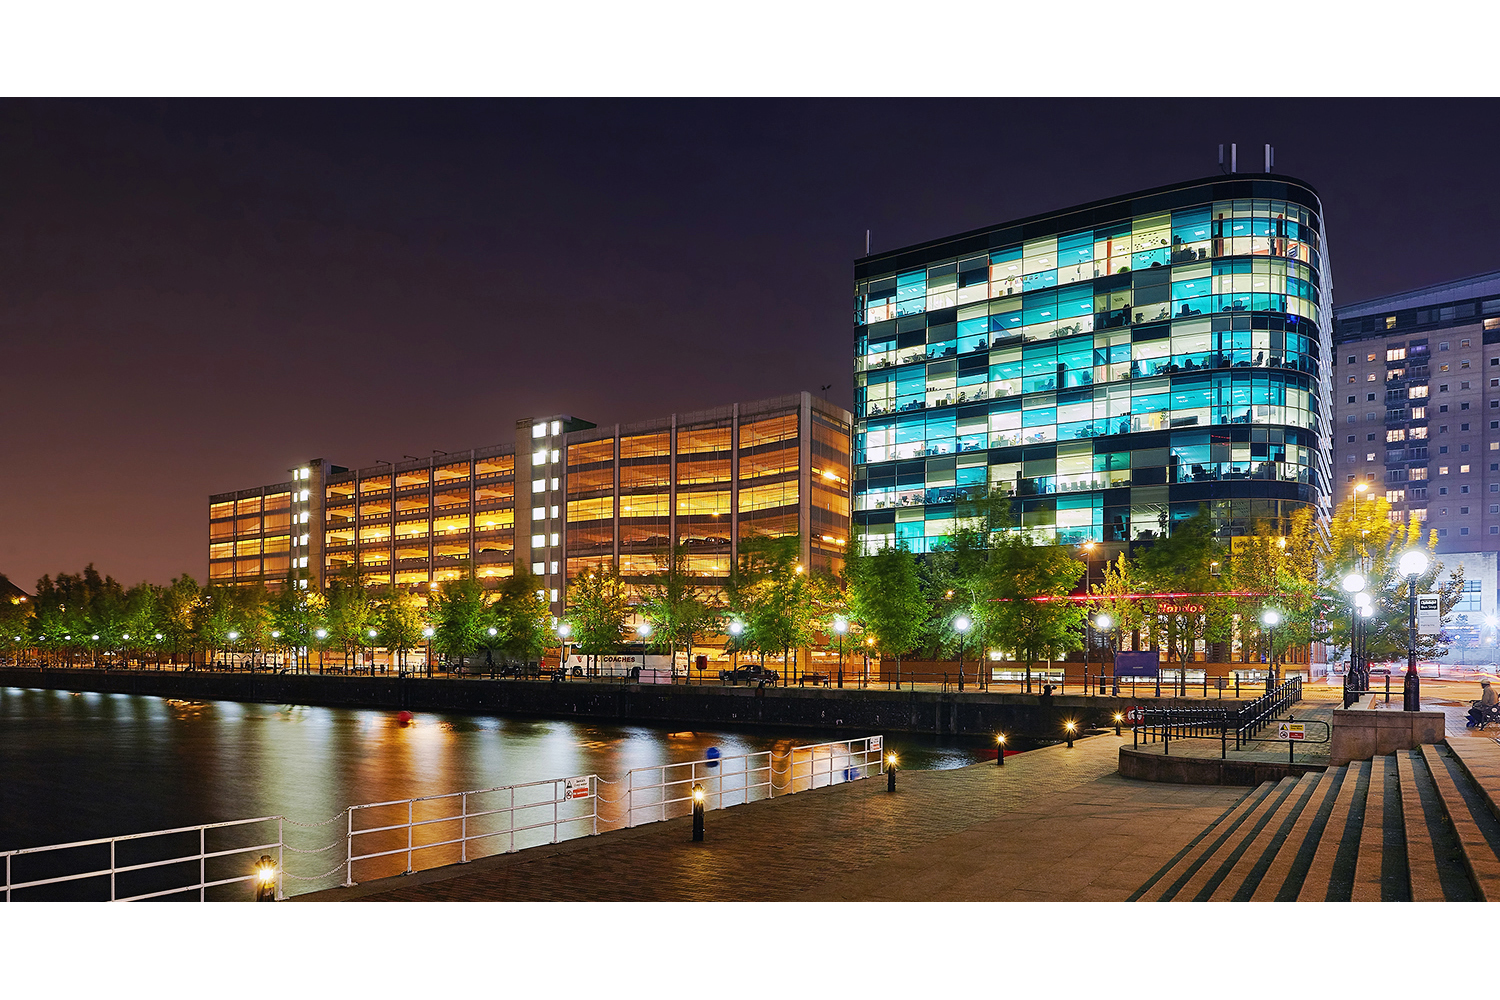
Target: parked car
(751, 674)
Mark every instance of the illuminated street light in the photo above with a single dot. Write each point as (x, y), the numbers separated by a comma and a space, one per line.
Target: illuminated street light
(1354, 583)
(1413, 565)
(961, 625)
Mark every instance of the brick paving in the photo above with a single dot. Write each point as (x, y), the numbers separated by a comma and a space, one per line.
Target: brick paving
(1056, 824)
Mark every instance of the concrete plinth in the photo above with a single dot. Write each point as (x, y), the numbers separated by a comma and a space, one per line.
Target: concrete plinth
(1359, 733)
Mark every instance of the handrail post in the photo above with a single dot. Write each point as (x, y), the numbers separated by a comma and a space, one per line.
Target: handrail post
(202, 864)
(111, 869)
(349, 851)
(409, 808)
(280, 857)
(463, 831)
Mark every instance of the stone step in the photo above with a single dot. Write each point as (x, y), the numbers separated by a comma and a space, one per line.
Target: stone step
(1318, 884)
(1167, 882)
(1380, 870)
(1475, 826)
(1283, 878)
(1207, 876)
(1434, 858)
(1256, 859)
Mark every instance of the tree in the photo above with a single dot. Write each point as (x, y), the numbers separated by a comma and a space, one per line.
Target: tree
(597, 609)
(1188, 560)
(1024, 578)
(885, 595)
(460, 615)
(400, 623)
(351, 611)
(770, 593)
(521, 618)
(674, 605)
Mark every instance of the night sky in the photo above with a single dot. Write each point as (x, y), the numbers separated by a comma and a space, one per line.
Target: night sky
(195, 295)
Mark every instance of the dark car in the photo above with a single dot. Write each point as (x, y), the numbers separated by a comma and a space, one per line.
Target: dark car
(752, 674)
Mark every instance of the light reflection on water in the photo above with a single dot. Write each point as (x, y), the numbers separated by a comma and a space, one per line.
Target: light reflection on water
(86, 765)
(75, 766)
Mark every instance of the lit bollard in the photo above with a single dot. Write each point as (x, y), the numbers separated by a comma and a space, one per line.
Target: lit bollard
(890, 773)
(1071, 727)
(697, 812)
(1118, 719)
(265, 880)
(1000, 750)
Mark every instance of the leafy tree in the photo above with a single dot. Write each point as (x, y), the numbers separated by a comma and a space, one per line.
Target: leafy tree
(1189, 560)
(177, 613)
(521, 618)
(460, 615)
(597, 610)
(1022, 573)
(675, 605)
(351, 612)
(771, 595)
(885, 594)
(400, 622)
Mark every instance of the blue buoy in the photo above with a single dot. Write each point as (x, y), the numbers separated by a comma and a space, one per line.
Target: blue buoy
(712, 753)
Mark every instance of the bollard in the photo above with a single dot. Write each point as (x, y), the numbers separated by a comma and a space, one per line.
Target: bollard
(1387, 687)
(1000, 750)
(890, 773)
(1118, 719)
(265, 880)
(1070, 726)
(697, 812)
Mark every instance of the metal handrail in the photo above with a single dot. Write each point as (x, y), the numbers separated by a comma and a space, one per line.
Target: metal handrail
(202, 856)
(1167, 724)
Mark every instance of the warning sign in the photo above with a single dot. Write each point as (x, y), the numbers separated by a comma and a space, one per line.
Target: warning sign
(1135, 715)
(576, 788)
(1291, 731)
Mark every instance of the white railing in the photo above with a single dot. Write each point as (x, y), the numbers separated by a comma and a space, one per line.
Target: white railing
(656, 793)
(481, 816)
(115, 869)
(459, 826)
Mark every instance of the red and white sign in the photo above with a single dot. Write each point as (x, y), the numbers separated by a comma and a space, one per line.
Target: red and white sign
(1135, 715)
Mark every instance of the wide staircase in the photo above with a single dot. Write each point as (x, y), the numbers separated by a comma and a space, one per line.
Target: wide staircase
(1416, 825)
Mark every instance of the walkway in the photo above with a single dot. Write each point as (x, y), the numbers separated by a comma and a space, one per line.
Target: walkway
(1054, 824)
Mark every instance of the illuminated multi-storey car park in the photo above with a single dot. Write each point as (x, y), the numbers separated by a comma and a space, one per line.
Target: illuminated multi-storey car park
(1112, 367)
(583, 496)
(1417, 420)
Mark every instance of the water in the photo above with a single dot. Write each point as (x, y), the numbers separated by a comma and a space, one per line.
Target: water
(76, 766)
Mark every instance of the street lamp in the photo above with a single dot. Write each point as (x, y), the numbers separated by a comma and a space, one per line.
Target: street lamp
(1353, 585)
(1413, 565)
(961, 626)
(736, 629)
(428, 633)
(643, 630)
(370, 634)
(841, 628)
(563, 631)
(1270, 618)
(1103, 623)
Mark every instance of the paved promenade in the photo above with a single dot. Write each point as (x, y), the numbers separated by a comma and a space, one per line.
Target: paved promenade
(1052, 824)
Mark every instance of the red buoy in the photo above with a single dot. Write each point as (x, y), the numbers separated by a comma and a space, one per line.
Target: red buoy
(403, 717)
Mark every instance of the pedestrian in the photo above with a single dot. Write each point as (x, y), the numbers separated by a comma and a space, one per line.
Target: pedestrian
(1488, 699)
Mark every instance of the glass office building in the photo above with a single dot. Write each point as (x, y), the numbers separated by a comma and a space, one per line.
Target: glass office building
(565, 496)
(1111, 367)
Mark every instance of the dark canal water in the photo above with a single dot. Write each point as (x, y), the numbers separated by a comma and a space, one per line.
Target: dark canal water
(81, 766)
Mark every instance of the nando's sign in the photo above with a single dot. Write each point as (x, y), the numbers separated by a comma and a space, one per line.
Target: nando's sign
(1171, 608)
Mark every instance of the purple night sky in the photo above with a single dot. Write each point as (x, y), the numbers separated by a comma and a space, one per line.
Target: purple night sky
(196, 294)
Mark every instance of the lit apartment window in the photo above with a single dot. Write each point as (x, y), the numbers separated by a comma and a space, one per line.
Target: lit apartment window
(1394, 354)
(540, 541)
(539, 458)
(539, 429)
(556, 426)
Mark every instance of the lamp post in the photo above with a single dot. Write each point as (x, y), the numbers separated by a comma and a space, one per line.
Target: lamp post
(563, 631)
(961, 625)
(370, 634)
(840, 628)
(1354, 584)
(1088, 640)
(427, 633)
(736, 629)
(1270, 618)
(233, 639)
(1103, 623)
(643, 630)
(1413, 565)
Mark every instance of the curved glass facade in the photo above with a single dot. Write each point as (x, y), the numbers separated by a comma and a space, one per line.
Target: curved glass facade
(1112, 367)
